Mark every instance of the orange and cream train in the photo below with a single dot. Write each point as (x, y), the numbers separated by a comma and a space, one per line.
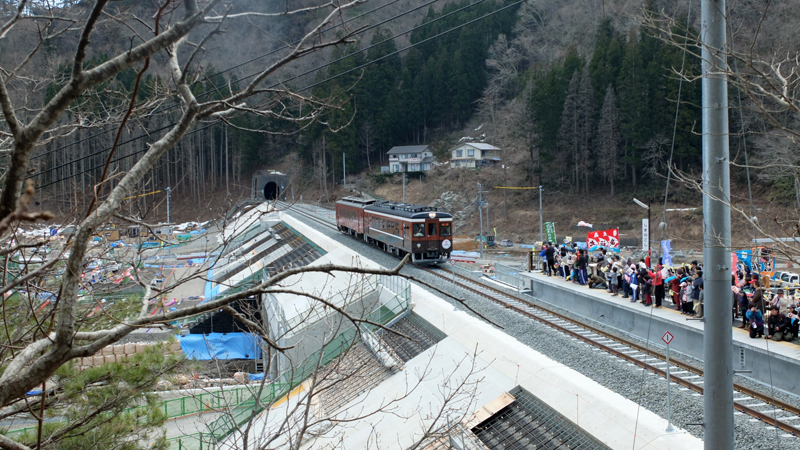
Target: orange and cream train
(398, 228)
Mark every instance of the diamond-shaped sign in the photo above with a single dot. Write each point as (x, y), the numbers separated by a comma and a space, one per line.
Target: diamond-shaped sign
(667, 337)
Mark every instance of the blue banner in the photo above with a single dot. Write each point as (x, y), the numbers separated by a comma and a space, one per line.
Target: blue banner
(667, 247)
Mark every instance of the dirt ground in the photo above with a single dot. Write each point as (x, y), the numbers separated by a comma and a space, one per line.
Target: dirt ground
(520, 221)
(513, 213)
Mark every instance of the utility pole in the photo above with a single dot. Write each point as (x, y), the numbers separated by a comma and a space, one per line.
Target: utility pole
(717, 357)
(404, 187)
(541, 224)
(227, 164)
(480, 214)
(505, 194)
(169, 194)
(649, 241)
(344, 173)
(481, 204)
(488, 228)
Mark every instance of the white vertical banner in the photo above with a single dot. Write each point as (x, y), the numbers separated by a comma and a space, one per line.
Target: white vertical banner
(645, 235)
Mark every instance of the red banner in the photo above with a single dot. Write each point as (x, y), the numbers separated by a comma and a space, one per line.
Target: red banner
(608, 239)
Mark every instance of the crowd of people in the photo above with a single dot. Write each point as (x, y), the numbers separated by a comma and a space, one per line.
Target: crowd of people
(763, 311)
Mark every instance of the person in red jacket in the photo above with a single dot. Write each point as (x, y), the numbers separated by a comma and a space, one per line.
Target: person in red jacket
(658, 283)
(675, 286)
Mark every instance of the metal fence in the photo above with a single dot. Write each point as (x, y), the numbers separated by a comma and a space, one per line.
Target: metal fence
(509, 275)
(399, 285)
(181, 406)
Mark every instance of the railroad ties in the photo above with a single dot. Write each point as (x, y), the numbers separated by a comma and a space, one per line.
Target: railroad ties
(760, 407)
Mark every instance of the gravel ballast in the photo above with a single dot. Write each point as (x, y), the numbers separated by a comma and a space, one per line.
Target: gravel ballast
(624, 378)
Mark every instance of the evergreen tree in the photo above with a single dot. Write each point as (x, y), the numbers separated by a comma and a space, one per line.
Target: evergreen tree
(569, 140)
(377, 92)
(688, 142)
(547, 101)
(608, 138)
(585, 126)
(637, 89)
(607, 57)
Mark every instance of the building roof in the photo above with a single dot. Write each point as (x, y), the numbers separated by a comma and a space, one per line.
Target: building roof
(407, 149)
(429, 159)
(480, 145)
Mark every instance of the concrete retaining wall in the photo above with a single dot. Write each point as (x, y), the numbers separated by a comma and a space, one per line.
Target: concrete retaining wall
(596, 306)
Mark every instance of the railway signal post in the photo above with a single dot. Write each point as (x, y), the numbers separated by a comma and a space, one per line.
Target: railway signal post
(667, 338)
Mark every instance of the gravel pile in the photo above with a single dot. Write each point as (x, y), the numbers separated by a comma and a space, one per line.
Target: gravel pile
(621, 377)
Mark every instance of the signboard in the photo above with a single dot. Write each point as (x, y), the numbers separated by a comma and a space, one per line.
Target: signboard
(608, 239)
(414, 160)
(667, 337)
(550, 232)
(646, 235)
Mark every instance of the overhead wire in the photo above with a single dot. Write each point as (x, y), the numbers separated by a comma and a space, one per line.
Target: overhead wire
(675, 123)
(666, 193)
(302, 89)
(752, 215)
(205, 78)
(150, 132)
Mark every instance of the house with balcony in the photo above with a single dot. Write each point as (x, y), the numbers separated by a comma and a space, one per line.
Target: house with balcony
(411, 158)
(474, 154)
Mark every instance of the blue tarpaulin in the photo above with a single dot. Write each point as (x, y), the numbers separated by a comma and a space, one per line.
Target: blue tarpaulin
(255, 376)
(204, 347)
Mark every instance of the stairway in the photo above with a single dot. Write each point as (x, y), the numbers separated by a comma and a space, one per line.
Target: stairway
(423, 336)
(348, 376)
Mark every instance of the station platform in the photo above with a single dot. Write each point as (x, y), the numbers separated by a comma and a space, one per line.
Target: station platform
(776, 363)
(475, 354)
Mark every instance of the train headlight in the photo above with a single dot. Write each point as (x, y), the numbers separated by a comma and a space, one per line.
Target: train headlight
(432, 215)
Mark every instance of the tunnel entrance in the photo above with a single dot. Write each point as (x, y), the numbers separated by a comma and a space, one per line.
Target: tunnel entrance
(271, 191)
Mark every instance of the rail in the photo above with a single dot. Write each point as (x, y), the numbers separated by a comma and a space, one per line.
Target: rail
(525, 307)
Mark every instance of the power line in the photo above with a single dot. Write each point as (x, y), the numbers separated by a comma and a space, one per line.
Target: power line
(148, 133)
(271, 52)
(418, 43)
(302, 89)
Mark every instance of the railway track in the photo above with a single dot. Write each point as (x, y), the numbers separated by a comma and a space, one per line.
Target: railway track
(772, 412)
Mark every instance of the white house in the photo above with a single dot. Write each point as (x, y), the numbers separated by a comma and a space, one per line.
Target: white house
(471, 155)
(411, 158)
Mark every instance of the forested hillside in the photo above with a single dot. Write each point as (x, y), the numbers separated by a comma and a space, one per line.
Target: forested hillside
(581, 96)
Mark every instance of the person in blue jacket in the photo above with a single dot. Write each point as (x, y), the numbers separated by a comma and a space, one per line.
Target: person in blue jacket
(756, 321)
(635, 292)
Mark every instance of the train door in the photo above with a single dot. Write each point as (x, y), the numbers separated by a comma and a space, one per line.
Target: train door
(432, 236)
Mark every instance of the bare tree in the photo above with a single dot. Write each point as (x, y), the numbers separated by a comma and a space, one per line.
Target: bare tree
(173, 41)
(367, 136)
(763, 73)
(779, 158)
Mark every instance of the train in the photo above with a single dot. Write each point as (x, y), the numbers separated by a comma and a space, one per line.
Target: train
(398, 228)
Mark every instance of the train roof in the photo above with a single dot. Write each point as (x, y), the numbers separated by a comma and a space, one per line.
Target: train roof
(407, 210)
(360, 201)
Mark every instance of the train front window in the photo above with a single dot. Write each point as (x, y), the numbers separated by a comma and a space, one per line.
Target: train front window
(444, 229)
(431, 229)
(419, 229)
